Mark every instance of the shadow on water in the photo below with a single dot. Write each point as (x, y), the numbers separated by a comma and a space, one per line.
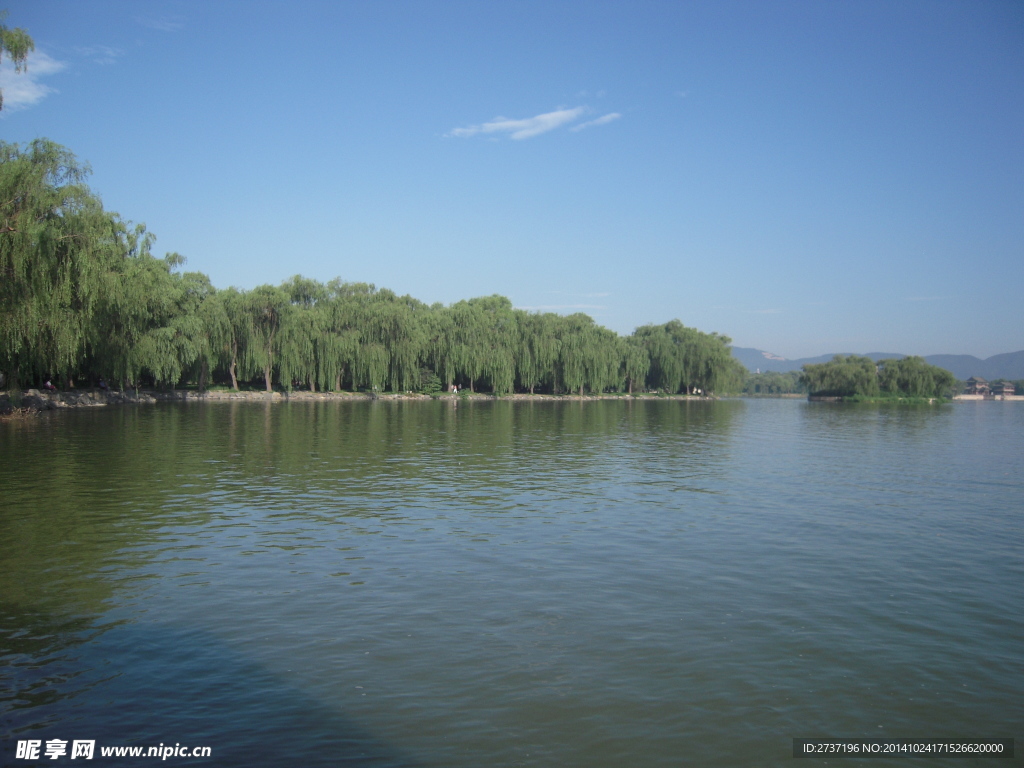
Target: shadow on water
(137, 684)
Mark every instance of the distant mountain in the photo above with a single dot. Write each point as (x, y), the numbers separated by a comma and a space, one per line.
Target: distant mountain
(1009, 365)
(1006, 366)
(755, 359)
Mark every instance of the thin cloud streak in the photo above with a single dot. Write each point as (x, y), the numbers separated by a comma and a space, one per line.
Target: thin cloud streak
(521, 129)
(610, 117)
(24, 89)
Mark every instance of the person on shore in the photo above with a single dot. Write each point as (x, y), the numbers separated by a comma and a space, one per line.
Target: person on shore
(48, 386)
(103, 385)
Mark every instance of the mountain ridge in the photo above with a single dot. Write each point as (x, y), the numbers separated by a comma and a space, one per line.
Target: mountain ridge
(1008, 365)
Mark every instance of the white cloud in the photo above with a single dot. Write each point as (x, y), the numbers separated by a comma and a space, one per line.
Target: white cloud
(612, 116)
(24, 89)
(522, 129)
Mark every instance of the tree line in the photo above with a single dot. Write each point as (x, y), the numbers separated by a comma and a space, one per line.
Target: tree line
(82, 297)
(774, 383)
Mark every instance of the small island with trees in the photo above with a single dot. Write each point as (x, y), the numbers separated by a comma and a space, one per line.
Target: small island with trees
(861, 379)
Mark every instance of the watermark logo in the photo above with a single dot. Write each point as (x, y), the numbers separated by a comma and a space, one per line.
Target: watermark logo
(54, 749)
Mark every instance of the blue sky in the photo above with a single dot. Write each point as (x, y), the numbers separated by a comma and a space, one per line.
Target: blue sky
(805, 177)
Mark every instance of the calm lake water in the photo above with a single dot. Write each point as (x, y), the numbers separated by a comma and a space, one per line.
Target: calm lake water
(649, 583)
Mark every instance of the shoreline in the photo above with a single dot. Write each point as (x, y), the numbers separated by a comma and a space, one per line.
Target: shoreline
(34, 401)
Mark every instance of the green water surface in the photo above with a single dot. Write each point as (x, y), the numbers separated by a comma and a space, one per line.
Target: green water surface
(622, 583)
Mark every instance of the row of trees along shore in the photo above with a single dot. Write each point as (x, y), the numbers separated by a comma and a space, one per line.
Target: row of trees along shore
(82, 297)
(855, 376)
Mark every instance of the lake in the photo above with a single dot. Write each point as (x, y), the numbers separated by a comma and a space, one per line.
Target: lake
(499, 583)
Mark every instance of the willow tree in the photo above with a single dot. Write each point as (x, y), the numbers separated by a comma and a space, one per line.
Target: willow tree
(497, 340)
(687, 360)
(397, 324)
(297, 346)
(123, 313)
(189, 332)
(151, 319)
(79, 286)
(439, 344)
(537, 349)
(17, 44)
(379, 336)
(216, 333)
(710, 365)
(175, 339)
(467, 342)
(635, 362)
(372, 366)
(265, 308)
(663, 344)
(237, 331)
(338, 345)
(603, 361)
(56, 242)
(300, 330)
(589, 357)
(575, 335)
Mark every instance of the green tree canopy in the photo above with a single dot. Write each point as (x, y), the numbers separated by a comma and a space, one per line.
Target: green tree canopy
(913, 377)
(56, 246)
(687, 360)
(842, 377)
(265, 307)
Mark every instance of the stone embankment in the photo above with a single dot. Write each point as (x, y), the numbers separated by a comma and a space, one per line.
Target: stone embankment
(33, 401)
